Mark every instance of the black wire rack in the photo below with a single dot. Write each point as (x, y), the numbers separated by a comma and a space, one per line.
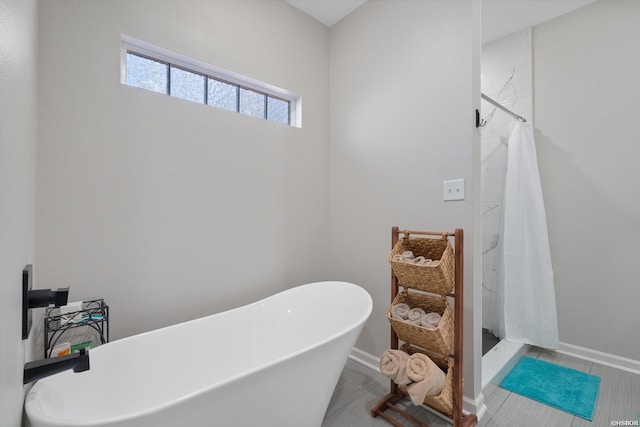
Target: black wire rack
(93, 314)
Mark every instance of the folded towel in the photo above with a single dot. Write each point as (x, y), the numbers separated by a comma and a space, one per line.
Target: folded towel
(430, 320)
(427, 377)
(400, 311)
(393, 365)
(414, 315)
(434, 263)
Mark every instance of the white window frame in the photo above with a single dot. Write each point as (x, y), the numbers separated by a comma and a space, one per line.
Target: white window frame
(135, 46)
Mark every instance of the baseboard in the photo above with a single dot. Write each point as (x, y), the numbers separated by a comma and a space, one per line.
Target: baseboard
(500, 360)
(366, 359)
(600, 357)
(469, 405)
(477, 406)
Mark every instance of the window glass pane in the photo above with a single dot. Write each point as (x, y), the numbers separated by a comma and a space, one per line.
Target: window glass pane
(252, 103)
(165, 73)
(187, 85)
(277, 110)
(223, 95)
(146, 73)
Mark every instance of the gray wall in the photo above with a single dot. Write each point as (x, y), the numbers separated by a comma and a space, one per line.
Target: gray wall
(168, 209)
(586, 92)
(402, 79)
(18, 57)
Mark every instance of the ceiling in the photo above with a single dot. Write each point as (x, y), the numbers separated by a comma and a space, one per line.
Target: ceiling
(327, 11)
(503, 17)
(499, 17)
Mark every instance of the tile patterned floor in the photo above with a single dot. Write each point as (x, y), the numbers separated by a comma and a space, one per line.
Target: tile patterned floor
(358, 390)
(619, 400)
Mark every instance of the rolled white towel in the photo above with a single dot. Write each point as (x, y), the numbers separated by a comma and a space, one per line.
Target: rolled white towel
(400, 311)
(408, 255)
(422, 261)
(393, 365)
(414, 315)
(427, 376)
(434, 263)
(430, 320)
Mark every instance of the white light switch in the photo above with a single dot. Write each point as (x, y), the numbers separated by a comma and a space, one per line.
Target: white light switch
(454, 189)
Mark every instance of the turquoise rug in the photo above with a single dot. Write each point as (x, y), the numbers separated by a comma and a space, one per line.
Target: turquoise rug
(563, 388)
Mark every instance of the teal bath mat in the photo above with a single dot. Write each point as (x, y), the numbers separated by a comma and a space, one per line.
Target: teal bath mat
(563, 388)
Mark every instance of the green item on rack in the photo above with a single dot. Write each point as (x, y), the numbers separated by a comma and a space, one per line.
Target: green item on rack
(76, 347)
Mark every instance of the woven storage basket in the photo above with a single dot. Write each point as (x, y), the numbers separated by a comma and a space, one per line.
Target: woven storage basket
(438, 340)
(438, 279)
(442, 402)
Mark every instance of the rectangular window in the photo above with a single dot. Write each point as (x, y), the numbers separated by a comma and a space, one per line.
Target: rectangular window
(223, 95)
(158, 70)
(277, 110)
(146, 73)
(252, 103)
(186, 85)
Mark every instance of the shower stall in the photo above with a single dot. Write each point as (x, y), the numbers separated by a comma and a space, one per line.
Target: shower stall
(506, 79)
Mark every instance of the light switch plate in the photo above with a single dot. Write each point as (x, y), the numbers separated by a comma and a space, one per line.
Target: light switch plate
(454, 189)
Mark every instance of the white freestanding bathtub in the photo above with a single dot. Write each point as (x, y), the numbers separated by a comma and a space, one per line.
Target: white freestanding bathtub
(274, 362)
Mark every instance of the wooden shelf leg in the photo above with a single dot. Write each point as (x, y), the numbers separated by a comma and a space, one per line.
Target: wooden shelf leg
(469, 420)
(388, 402)
(390, 420)
(382, 404)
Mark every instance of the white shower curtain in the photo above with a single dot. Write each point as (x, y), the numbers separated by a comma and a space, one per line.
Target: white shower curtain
(528, 291)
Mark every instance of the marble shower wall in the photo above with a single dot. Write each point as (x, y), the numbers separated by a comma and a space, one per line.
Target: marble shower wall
(506, 77)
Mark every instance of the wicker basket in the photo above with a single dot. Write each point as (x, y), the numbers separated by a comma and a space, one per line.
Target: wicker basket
(438, 279)
(442, 402)
(438, 340)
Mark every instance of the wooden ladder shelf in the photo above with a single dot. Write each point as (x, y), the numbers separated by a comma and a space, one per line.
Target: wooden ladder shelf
(396, 393)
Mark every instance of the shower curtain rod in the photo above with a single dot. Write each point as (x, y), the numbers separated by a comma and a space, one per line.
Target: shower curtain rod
(505, 109)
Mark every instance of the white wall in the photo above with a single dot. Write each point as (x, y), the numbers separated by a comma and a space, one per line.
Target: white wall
(168, 209)
(506, 78)
(402, 85)
(586, 93)
(18, 29)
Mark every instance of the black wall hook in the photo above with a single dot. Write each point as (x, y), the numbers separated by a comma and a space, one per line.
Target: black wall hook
(480, 122)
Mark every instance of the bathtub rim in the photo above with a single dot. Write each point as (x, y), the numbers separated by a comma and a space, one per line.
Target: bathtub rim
(29, 399)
